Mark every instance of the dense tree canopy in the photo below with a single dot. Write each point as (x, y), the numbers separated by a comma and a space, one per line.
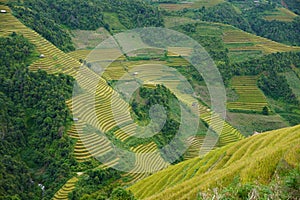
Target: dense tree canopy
(33, 118)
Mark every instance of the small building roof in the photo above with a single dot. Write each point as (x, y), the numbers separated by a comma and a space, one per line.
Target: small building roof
(3, 11)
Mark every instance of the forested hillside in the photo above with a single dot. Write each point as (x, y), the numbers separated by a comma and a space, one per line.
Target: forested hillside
(34, 118)
(52, 19)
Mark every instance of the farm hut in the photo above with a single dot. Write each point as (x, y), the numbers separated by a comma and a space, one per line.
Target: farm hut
(3, 11)
(42, 56)
(256, 133)
(135, 73)
(75, 119)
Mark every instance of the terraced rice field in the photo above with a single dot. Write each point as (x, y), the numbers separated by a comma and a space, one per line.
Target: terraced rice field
(179, 51)
(147, 158)
(160, 75)
(237, 40)
(195, 143)
(55, 60)
(84, 39)
(79, 54)
(98, 114)
(250, 97)
(253, 159)
(281, 14)
(174, 6)
(206, 3)
(177, 21)
(94, 106)
(190, 4)
(62, 194)
(88, 144)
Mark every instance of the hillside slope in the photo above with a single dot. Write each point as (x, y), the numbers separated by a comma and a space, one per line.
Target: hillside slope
(254, 159)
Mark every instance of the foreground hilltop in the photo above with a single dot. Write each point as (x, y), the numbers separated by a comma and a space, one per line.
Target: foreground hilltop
(260, 160)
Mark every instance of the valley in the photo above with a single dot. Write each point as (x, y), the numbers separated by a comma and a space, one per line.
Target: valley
(96, 136)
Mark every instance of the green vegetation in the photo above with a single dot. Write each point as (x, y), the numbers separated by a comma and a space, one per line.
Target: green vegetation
(141, 104)
(276, 86)
(277, 62)
(100, 184)
(226, 43)
(208, 37)
(54, 61)
(251, 17)
(226, 13)
(285, 32)
(294, 83)
(52, 19)
(293, 5)
(34, 118)
(248, 123)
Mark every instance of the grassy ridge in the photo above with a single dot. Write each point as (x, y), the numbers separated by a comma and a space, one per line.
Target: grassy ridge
(251, 160)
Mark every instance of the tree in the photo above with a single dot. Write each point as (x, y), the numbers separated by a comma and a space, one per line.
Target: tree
(265, 110)
(121, 194)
